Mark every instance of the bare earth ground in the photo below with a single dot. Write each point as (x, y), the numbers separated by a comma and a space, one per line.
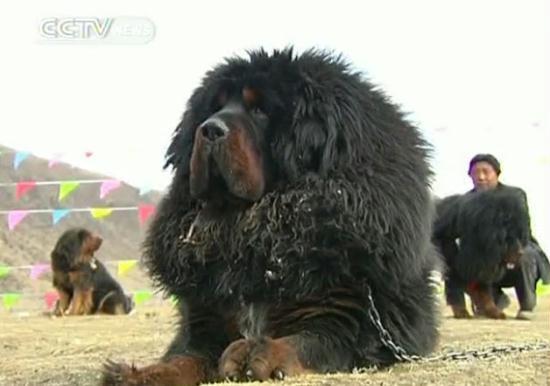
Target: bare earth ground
(39, 350)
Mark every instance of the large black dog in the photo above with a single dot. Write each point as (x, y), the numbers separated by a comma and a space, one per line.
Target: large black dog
(482, 235)
(296, 228)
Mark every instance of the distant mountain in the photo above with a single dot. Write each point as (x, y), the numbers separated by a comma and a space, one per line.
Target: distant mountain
(33, 239)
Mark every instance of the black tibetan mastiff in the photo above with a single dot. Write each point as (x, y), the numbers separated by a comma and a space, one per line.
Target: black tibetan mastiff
(296, 228)
(481, 235)
(83, 283)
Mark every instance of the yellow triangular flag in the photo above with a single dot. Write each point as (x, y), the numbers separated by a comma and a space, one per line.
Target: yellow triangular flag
(100, 213)
(124, 266)
(66, 188)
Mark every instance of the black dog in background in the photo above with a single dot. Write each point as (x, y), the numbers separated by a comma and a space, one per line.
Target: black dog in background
(483, 237)
(83, 283)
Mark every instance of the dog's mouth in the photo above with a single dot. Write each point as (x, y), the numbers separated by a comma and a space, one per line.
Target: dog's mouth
(513, 255)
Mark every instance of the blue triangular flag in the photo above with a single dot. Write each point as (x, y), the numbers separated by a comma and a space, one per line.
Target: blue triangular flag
(20, 156)
(58, 214)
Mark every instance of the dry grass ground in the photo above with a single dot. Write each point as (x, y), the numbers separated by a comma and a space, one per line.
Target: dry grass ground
(38, 350)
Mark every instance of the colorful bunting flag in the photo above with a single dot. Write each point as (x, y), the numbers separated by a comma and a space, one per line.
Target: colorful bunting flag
(100, 213)
(50, 298)
(124, 266)
(542, 289)
(88, 154)
(4, 271)
(10, 300)
(58, 214)
(66, 188)
(174, 300)
(15, 217)
(142, 296)
(145, 211)
(23, 187)
(107, 187)
(20, 156)
(38, 270)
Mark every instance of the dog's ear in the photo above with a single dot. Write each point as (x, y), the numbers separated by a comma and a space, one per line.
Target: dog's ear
(64, 254)
(199, 107)
(67, 249)
(178, 155)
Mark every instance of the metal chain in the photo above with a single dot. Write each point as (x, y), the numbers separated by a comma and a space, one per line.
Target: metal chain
(401, 354)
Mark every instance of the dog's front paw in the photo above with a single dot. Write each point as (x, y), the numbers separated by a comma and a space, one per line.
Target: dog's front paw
(260, 359)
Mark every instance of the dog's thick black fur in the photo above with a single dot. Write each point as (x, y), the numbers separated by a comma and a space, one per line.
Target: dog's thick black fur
(298, 188)
(481, 235)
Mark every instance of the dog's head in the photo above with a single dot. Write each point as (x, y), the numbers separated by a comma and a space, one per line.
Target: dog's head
(75, 246)
(229, 148)
(272, 120)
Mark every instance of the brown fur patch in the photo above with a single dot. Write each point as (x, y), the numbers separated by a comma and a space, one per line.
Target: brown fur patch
(261, 359)
(178, 371)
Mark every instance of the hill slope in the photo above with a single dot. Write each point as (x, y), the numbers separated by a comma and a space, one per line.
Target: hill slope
(33, 239)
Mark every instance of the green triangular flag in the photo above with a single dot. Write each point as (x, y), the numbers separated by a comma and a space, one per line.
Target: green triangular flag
(65, 188)
(543, 289)
(142, 296)
(4, 271)
(10, 300)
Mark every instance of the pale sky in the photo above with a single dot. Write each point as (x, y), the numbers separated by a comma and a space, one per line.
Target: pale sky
(473, 75)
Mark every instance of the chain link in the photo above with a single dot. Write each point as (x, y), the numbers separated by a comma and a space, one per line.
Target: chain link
(489, 353)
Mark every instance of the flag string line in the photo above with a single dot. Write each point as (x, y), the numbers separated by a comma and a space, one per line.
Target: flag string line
(59, 182)
(50, 210)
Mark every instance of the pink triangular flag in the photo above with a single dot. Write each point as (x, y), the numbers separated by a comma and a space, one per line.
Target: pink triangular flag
(50, 298)
(38, 270)
(145, 211)
(88, 154)
(15, 217)
(107, 187)
(21, 188)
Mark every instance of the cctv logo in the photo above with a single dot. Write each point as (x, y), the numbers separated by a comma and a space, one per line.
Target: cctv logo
(75, 28)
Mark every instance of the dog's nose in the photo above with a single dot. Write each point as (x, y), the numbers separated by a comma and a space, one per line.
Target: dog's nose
(213, 129)
(212, 132)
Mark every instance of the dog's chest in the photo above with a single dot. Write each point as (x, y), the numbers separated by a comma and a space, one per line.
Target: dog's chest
(253, 320)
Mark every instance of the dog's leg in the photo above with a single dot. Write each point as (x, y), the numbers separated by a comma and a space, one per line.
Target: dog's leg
(483, 300)
(191, 359)
(454, 294)
(112, 304)
(62, 304)
(82, 302)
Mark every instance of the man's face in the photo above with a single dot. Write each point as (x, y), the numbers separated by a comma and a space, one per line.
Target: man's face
(483, 176)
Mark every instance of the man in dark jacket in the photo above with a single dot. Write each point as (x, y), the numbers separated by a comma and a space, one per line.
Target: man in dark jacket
(484, 170)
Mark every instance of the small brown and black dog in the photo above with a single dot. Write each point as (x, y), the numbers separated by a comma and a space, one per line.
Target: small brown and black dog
(84, 285)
